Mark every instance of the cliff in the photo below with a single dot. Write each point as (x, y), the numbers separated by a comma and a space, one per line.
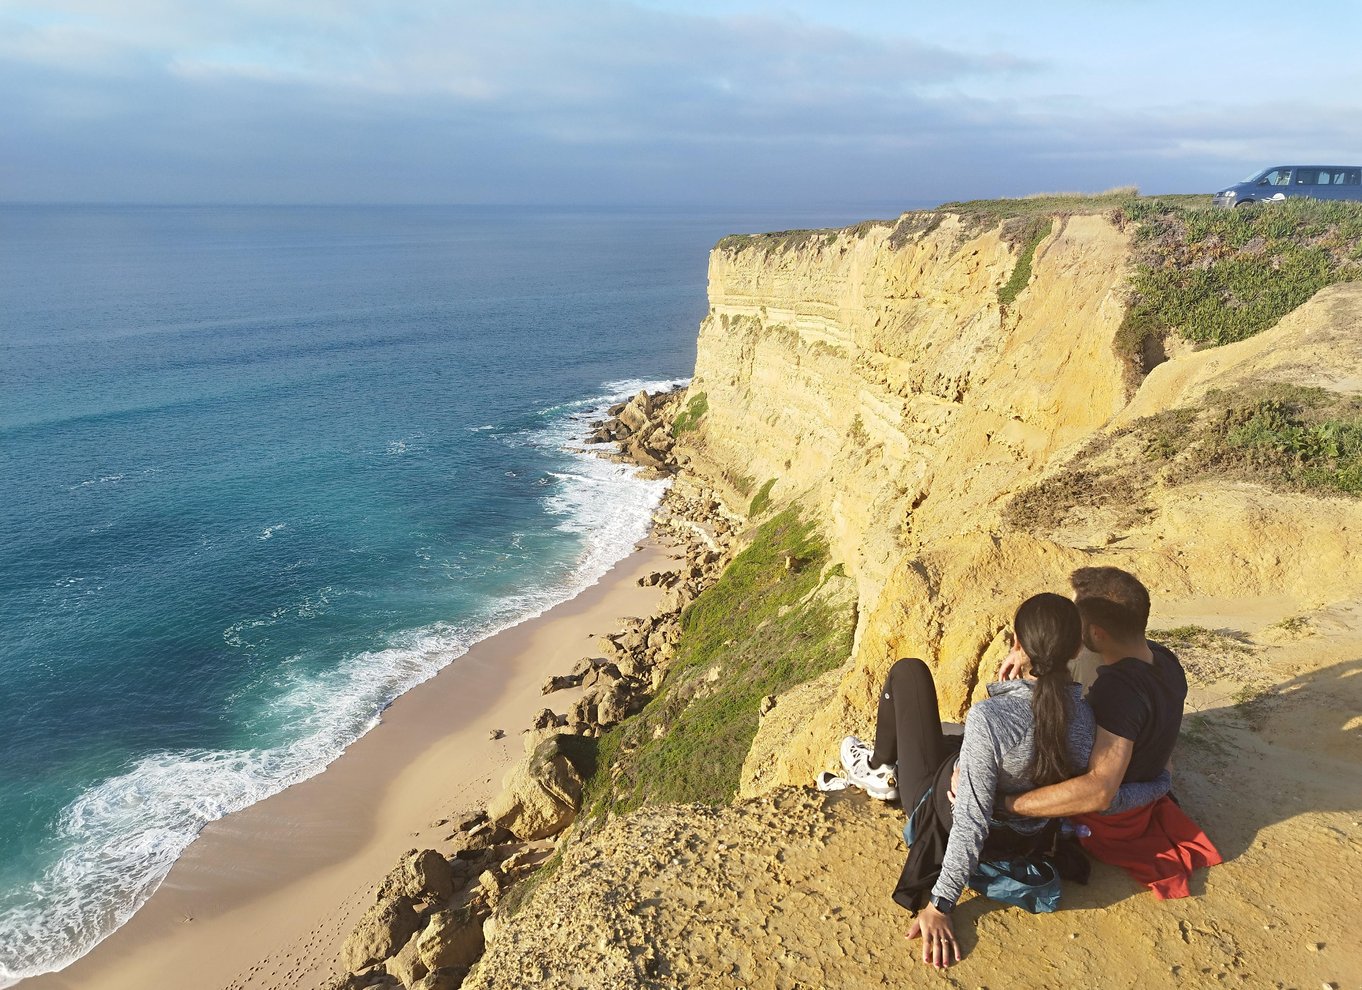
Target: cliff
(878, 380)
(969, 407)
(900, 430)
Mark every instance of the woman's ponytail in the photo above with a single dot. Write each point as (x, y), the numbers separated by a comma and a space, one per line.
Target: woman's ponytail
(1050, 630)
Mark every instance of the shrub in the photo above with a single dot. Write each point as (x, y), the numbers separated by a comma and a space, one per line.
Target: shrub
(1217, 276)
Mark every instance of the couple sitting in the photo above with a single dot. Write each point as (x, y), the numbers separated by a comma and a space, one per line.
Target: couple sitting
(1036, 750)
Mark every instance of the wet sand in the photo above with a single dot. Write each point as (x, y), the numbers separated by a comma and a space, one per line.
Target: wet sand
(265, 897)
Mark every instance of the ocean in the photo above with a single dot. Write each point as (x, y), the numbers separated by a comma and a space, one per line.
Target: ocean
(262, 470)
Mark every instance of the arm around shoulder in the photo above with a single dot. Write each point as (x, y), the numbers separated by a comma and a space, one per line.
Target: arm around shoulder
(1087, 793)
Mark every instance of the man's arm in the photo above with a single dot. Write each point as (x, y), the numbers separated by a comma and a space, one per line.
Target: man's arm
(1093, 791)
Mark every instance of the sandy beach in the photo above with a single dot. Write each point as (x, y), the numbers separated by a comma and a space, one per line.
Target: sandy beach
(265, 897)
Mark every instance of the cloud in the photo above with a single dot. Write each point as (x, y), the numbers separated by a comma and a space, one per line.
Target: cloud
(537, 100)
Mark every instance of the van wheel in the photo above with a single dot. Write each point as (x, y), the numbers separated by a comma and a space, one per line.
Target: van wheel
(1245, 202)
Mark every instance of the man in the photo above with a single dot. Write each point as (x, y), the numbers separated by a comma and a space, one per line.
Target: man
(1137, 701)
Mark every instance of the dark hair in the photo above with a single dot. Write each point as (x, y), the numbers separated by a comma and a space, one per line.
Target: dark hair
(1113, 599)
(1050, 630)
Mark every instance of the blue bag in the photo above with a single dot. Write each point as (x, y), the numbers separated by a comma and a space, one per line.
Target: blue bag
(1029, 882)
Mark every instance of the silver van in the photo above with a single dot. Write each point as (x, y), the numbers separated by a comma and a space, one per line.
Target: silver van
(1281, 181)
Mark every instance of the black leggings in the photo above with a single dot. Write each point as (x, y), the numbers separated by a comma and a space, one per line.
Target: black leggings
(908, 729)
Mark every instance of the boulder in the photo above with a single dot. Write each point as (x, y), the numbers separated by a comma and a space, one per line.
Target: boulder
(606, 673)
(372, 980)
(383, 930)
(615, 704)
(672, 600)
(444, 978)
(559, 682)
(470, 820)
(636, 412)
(472, 845)
(407, 966)
(638, 451)
(540, 795)
(547, 718)
(421, 875)
(453, 938)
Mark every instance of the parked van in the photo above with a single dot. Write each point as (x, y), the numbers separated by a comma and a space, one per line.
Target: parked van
(1281, 181)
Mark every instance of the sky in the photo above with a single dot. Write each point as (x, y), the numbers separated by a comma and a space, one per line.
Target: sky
(663, 102)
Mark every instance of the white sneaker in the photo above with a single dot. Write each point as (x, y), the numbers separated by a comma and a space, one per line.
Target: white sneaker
(878, 782)
(826, 780)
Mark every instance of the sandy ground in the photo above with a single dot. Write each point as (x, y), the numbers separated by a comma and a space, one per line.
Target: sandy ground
(791, 891)
(264, 898)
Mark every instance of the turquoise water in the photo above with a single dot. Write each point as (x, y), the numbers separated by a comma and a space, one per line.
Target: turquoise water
(263, 470)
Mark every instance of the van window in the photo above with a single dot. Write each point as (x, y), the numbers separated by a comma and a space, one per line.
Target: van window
(1311, 177)
(1276, 177)
(1348, 177)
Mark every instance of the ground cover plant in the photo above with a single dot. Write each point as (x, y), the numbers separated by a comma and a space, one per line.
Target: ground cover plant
(1288, 437)
(1217, 276)
(1025, 235)
(763, 627)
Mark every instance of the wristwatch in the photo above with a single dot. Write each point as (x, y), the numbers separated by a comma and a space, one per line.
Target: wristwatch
(943, 905)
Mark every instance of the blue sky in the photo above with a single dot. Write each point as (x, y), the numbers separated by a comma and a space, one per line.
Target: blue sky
(661, 102)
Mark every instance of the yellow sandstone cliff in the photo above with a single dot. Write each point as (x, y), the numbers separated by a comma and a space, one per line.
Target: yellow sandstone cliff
(884, 386)
(875, 376)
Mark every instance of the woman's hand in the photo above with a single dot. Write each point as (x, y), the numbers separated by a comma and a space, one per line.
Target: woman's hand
(1015, 664)
(939, 947)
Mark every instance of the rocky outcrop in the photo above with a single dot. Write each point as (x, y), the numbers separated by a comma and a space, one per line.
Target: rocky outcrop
(540, 794)
(382, 931)
(641, 428)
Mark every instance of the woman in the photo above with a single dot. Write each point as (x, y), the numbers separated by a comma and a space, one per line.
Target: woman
(1028, 733)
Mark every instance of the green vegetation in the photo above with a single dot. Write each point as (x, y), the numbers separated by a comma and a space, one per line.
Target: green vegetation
(1217, 276)
(689, 418)
(1286, 436)
(777, 242)
(988, 213)
(1301, 439)
(1025, 235)
(1252, 701)
(1294, 625)
(1183, 637)
(762, 628)
(761, 501)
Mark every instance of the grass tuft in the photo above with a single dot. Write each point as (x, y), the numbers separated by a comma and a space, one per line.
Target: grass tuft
(1288, 437)
(761, 501)
(1025, 235)
(689, 418)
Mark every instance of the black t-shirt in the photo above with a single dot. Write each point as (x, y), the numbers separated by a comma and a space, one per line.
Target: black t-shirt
(1142, 702)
